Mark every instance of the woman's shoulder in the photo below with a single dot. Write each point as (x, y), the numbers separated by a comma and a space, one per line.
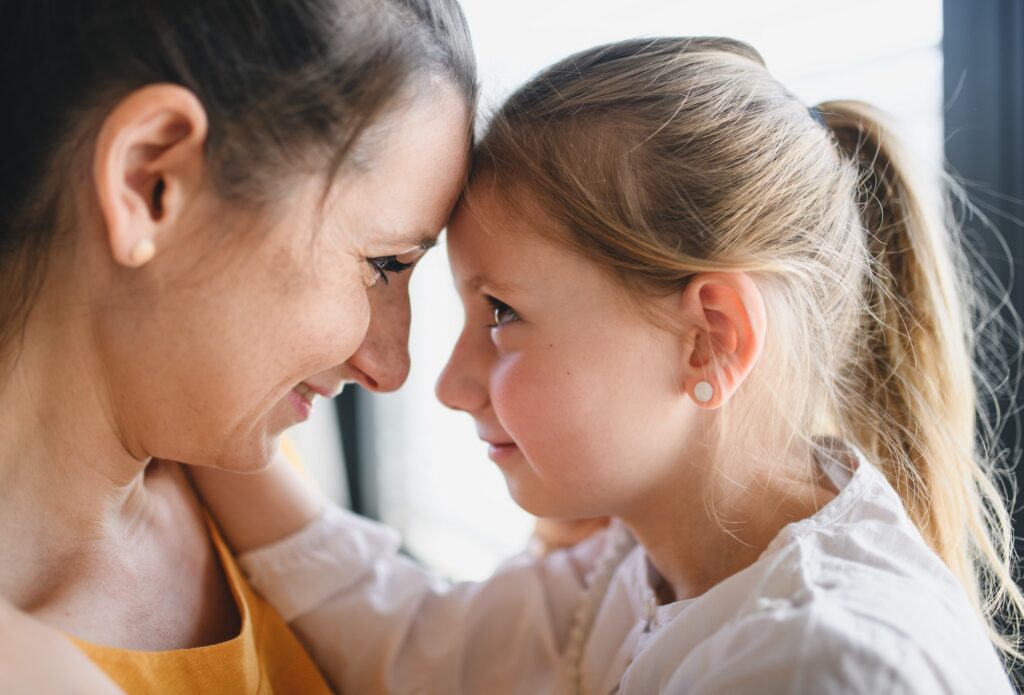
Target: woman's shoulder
(36, 658)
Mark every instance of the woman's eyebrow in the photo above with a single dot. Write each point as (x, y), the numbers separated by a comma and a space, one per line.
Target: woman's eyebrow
(418, 243)
(422, 241)
(427, 241)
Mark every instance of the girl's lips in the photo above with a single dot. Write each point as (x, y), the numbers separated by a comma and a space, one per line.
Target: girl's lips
(502, 450)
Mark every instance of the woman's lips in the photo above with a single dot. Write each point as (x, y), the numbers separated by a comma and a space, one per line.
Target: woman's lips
(320, 390)
(301, 398)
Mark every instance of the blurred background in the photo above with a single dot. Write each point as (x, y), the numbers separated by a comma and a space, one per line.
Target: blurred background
(950, 73)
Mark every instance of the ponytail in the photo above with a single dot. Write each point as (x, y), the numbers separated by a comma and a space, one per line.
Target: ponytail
(911, 402)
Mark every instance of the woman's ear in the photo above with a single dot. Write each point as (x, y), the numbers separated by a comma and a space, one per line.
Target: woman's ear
(148, 162)
(723, 332)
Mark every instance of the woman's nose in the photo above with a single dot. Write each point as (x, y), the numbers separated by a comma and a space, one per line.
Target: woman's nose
(382, 359)
(461, 385)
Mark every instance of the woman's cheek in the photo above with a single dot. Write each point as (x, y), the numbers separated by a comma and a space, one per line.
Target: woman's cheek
(323, 330)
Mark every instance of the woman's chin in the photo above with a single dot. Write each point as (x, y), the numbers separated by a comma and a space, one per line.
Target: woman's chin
(251, 457)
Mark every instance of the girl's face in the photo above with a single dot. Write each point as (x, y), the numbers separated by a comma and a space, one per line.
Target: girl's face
(212, 350)
(575, 390)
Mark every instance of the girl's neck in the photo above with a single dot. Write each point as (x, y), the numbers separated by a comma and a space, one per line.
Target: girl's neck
(698, 532)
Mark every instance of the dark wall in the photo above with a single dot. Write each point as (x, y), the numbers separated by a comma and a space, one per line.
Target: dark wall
(983, 48)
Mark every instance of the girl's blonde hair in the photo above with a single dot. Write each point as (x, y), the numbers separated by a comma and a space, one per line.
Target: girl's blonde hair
(662, 158)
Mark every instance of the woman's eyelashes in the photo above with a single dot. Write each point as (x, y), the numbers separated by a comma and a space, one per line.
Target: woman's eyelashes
(503, 313)
(383, 265)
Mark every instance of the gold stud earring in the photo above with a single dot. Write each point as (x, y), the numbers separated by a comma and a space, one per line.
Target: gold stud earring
(143, 252)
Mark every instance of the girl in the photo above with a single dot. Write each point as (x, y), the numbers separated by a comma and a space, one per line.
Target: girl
(734, 326)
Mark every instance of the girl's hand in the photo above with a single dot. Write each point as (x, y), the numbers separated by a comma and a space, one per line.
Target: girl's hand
(256, 509)
(38, 659)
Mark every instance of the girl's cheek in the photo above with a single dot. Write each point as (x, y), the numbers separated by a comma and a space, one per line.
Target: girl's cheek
(512, 390)
(504, 380)
(526, 396)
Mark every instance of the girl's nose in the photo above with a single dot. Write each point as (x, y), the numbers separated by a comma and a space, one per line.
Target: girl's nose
(462, 384)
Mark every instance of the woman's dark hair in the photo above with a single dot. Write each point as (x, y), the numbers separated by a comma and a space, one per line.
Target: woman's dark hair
(287, 85)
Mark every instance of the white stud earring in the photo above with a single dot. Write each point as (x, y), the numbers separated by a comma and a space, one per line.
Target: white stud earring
(703, 392)
(143, 252)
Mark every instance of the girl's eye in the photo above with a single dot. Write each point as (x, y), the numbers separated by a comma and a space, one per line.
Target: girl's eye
(387, 264)
(503, 313)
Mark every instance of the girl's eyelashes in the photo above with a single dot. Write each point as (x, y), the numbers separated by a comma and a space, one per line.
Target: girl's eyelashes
(503, 313)
(387, 264)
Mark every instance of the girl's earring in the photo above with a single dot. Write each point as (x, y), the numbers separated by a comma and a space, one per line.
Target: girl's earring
(703, 392)
(143, 252)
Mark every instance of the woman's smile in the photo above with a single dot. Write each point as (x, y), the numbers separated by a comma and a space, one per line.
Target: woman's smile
(301, 399)
(302, 395)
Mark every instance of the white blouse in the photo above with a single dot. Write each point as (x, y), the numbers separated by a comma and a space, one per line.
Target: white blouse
(850, 600)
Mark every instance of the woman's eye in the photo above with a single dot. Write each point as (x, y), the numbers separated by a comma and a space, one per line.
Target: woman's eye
(503, 313)
(387, 264)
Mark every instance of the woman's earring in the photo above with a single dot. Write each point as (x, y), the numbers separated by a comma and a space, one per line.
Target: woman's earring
(143, 252)
(703, 392)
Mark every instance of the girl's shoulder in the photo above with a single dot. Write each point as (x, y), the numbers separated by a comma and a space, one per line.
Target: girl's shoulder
(826, 646)
(851, 599)
(808, 621)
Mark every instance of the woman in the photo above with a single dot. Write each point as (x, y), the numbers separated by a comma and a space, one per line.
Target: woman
(198, 202)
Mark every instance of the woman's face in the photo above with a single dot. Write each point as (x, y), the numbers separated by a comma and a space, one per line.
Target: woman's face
(216, 348)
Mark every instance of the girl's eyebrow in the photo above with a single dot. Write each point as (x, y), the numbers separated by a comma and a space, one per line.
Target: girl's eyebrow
(476, 282)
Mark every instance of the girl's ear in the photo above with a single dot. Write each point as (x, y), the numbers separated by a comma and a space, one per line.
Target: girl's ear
(724, 326)
(148, 162)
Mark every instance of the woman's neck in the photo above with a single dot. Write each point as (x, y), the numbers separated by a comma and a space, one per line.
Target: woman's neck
(70, 483)
(700, 531)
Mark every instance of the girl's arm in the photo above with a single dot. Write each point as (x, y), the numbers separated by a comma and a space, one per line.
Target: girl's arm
(377, 622)
(255, 509)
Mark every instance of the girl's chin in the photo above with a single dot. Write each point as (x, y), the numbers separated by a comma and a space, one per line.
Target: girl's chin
(546, 505)
(549, 503)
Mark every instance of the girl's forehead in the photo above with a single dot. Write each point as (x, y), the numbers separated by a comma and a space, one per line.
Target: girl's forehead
(505, 211)
(493, 255)
(485, 227)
